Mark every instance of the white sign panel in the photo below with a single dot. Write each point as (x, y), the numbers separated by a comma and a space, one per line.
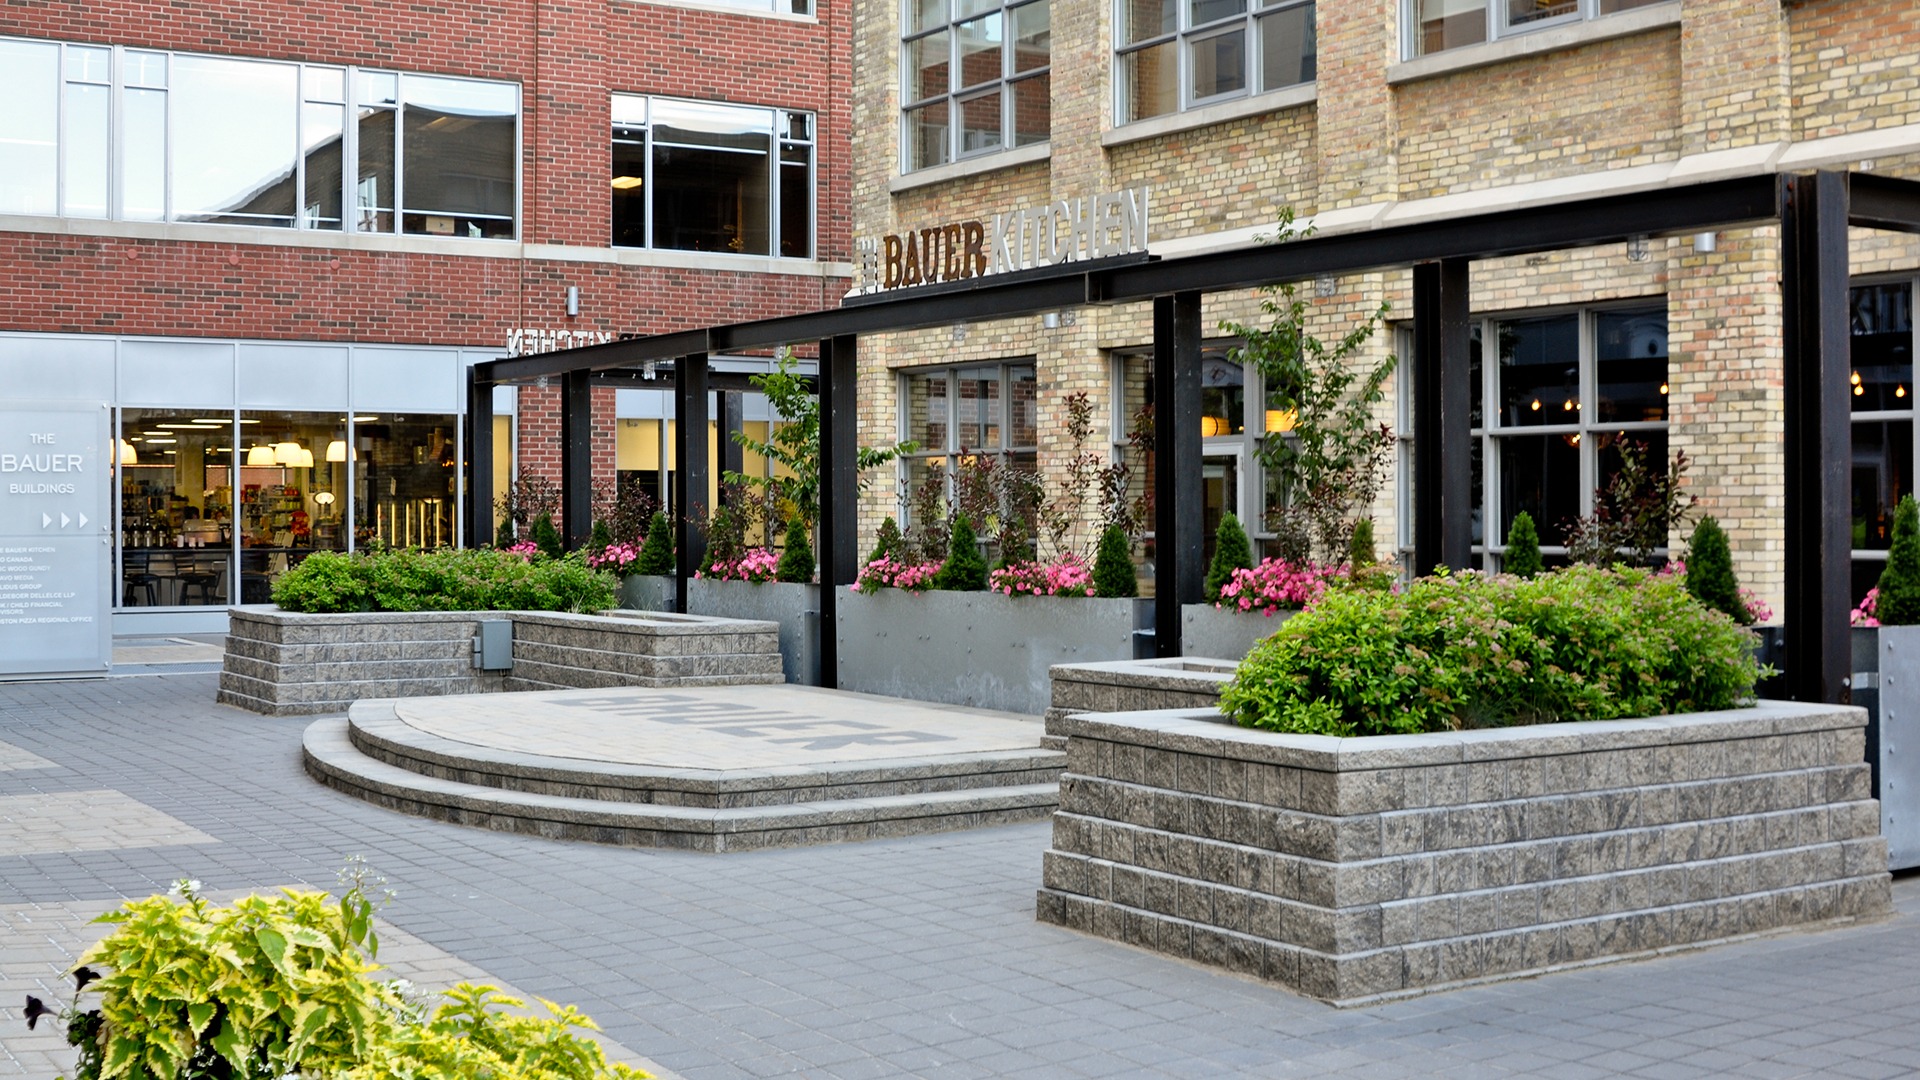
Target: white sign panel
(55, 540)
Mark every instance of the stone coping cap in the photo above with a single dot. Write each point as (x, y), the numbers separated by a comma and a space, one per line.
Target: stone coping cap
(655, 621)
(1208, 732)
(1171, 673)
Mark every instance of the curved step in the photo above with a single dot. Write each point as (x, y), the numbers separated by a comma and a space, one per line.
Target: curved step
(377, 731)
(332, 759)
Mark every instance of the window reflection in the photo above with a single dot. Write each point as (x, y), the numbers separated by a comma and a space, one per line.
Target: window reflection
(1881, 321)
(29, 83)
(176, 507)
(235, 145)
(293, 477)
(459, 147)
(1630, 371)
(700, 176)
(1540, 371)
(404, 480)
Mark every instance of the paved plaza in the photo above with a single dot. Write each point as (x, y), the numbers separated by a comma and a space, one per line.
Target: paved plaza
(908, 957)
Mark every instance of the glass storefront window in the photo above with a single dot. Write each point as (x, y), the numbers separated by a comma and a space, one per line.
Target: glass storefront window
(291, 495)
(176, 508)
(404, 486)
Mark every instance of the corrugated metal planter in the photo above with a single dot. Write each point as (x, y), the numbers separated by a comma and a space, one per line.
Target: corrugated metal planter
(983, 649)
(795, 607)
(1225, 633)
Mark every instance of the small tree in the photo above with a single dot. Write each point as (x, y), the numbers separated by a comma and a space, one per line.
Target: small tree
(796, 562)
(1634, 510)
(1710, 571)
(547, 538)
(503, 534)
(1899, 603)
(889, 543)
(1360, 554)
(601, 535)
(1523, 546)
(1231, 552)
(656, 555)
(1113, 573)
(964, 570)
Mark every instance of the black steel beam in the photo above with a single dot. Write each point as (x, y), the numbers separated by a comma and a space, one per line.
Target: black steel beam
(576, 458)
(839, 492)
(479, 476)
(692, 411)
(732, 382)
(1813, 282)
(631, 352)
(732, 422)
(1883, 202)
(1178, 509)
(1443, 445)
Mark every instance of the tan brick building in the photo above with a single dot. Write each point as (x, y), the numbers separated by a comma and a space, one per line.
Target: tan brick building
(1366, 113)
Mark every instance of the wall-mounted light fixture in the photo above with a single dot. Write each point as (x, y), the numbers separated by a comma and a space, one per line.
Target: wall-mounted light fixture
(1704, 243)
(1324, 286)
(1637, 249)
(573, 300)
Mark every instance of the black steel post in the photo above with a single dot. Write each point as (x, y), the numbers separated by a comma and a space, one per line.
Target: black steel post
(839, 491)
(1443, 429)
(732, 457)
(692, 410)
(479, 474)
(1178, 511)
(576, 458)
(1813, 282)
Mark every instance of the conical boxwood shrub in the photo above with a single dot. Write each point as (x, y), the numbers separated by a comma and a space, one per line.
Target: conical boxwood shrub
(1523, 547)
(1231, 551)
(1710, 571)
(964, 570)
(656, 554)
(1899, 603)
(796, 562)
(1113, 573)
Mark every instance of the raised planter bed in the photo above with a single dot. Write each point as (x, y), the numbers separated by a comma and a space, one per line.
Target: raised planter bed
(1132, 686)
(285, 663)
(1886, 681)
(1224, 633)
(647, 592)
(795, 607)
(1359, 869)
(982, 649)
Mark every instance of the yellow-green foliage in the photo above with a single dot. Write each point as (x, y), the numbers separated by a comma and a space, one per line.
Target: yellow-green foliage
(272, 986)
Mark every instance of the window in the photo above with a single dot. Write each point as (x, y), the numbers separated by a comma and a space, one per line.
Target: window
(955, 413)
(1882, 392)
(1179, 54)
(1565, 390)
(219, 140)
(702, 176)
(977, 79)
(1438, 25)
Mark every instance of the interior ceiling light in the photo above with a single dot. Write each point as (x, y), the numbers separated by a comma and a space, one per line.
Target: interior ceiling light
(260, 455)
(623, 183)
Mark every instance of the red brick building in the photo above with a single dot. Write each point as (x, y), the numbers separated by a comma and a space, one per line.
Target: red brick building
(271, 238)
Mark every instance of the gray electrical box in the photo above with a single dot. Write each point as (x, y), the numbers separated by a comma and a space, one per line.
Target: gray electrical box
(493, 645)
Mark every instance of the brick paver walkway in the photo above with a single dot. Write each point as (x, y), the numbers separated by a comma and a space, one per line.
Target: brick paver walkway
(913, 957)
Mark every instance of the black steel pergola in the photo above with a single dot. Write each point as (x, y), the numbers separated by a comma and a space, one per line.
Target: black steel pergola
(1813, 212)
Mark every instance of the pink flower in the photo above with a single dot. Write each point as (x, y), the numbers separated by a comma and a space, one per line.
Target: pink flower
(1277, 585)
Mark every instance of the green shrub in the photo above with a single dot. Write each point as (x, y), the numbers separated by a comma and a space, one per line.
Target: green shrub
(450, 579)
(1231, 552)
(1710, 577)
(1523, 547)
(889, 543)
(546, 537)
(274, 986)
(964, 570)
(1113, 573)
(796, 562)
(1899, 602)
(503, 534)
(325, 581)
(601, 536)
(656, 554)
(1360, 547)
(1472, 651)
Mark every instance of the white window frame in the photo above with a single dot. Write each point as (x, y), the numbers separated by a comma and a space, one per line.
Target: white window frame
(1184, 36)
(955, 97)
(1498, 26)
(1908, 415)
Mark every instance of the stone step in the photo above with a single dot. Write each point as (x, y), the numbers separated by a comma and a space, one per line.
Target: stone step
(331, 758)
(377, 731)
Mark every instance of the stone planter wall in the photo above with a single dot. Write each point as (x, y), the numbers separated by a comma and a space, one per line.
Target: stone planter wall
(647, 592)
(1224, 633)
(1359, 869)
(981, 649)
(795, 607)
(1132, 686)
(285, 663)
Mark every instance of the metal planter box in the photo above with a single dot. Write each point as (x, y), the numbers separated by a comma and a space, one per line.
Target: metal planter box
(795, 607)
(1889, 658)
(646, 592)
(982, 649)
(1224, 633)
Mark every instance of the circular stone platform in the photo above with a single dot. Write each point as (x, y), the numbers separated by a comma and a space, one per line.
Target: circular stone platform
(714, 768)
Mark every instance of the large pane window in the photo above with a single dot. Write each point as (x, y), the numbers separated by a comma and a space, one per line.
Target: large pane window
(1178, 54)
(404, 480)
(29, 127)
(291, 496)
(977, 78)
(1569, 389)
(1881, 388)
(956, 413)
(225, 140)
(1437, 25)
(176, 508)
(704, 176)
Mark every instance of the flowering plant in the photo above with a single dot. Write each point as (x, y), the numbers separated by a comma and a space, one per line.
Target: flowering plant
(756, 564)
(1067, 575)
(1758, 611)
(526, 549)
(616, 557)
(887, 572)
(1277, 584)
(1867, 614)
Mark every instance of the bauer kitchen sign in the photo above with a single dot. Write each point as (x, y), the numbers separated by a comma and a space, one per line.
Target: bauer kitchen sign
(1067, 230)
